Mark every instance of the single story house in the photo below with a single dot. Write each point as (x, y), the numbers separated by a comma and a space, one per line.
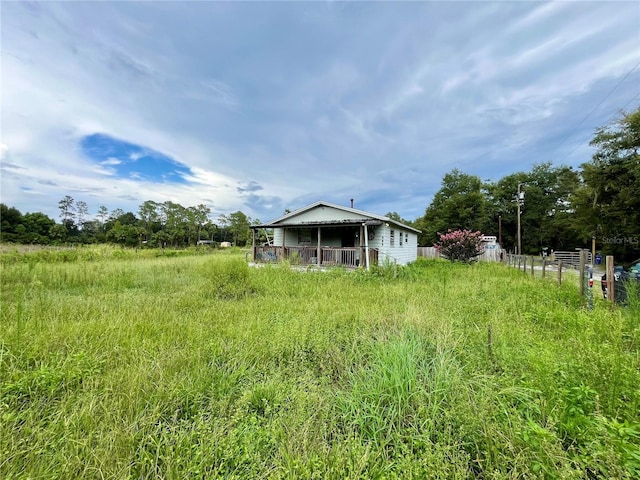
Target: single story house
(326, 234)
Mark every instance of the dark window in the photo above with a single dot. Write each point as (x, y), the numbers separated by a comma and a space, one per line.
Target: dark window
(304, 235)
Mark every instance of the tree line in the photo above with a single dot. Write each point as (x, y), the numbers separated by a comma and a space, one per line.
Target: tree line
(563, 208)
(155, 225)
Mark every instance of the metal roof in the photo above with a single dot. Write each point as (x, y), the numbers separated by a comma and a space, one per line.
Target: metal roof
(366, 218)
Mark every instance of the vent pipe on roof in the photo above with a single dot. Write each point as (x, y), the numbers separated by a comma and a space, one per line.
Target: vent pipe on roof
(352, 203)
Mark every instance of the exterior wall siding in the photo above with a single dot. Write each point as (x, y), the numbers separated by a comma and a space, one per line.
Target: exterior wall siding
(277, 236)
(399, 254)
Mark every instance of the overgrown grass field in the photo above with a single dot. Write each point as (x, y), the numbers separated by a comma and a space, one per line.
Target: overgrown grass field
(202, 367)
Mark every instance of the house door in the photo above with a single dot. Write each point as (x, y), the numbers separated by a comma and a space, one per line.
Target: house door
(348, 236)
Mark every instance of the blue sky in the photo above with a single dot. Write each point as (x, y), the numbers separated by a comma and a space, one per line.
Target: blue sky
(265, 106)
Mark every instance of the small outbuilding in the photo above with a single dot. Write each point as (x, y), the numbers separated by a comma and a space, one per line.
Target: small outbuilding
(326, 234)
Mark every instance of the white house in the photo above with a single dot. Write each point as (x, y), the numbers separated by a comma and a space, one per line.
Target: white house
(326, 234)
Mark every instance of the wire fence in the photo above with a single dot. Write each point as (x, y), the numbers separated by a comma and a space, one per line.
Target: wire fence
(492, 253)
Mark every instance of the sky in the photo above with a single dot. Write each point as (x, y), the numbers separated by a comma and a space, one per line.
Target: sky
(267, 106)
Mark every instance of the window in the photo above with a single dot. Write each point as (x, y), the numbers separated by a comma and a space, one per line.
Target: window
(304, 235)
(392, 237)
(400, 239)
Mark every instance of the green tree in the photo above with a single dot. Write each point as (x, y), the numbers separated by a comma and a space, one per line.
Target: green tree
(223, 227)
(115, 214)
(201, 217)
(607, 205)
(545, 212)
(125, 234)
(103, 214)
(92, 232)
(209, 230)
(58, 233)
(148, 213)
(67, 209)
(82, 211)
(37, 227)
(396, 216)
(10, 219)
(175, 222)
(239, 227)
(460, 204)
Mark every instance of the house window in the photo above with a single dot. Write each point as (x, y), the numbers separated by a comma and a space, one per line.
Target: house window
(392, 238)
(400, 239)
(304, 235)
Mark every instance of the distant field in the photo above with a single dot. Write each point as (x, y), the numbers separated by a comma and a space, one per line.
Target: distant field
(196, 366)
(9, 248)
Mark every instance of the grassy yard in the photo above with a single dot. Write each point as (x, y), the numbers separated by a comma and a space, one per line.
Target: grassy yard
(198, 366)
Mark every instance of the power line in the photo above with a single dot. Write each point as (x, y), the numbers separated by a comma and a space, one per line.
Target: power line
(597, 106)
(623, 107)
(609, 94)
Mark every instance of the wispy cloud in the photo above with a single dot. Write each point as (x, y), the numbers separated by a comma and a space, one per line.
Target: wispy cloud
(249, 187)
(261, 107)
(115, 161)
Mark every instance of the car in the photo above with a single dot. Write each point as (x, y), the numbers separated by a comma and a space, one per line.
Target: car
(634, 267)
(621, 276)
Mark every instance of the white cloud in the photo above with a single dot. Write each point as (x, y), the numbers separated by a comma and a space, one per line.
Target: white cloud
(296, 100)
(115, 161)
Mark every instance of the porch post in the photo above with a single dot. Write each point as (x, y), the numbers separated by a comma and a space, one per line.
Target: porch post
(253, 243)
(361, 245)
(366, 245)
(284, 242)
(318, 249)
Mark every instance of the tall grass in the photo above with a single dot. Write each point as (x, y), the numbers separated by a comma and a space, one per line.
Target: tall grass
(200, 366)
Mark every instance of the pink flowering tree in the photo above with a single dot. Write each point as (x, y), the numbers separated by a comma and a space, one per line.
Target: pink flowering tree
(460, 245)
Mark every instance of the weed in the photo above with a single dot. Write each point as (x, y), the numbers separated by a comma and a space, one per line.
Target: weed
(147, 365)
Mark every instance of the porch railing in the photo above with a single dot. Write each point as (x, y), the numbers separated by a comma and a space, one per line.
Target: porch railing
(307, 255)
(349, 257)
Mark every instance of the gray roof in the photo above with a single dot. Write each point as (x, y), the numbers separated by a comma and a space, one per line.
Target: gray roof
(365, 217)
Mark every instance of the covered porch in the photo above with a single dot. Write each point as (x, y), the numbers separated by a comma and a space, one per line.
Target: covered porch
(349, 257)
(323, 244)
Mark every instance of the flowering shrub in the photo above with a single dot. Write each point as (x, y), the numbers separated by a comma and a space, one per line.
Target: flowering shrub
(460, 245)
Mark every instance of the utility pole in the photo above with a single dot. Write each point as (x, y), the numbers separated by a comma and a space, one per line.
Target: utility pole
(518, 199)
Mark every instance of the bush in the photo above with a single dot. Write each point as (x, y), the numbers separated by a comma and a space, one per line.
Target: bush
(230, 279)
(460, 245)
